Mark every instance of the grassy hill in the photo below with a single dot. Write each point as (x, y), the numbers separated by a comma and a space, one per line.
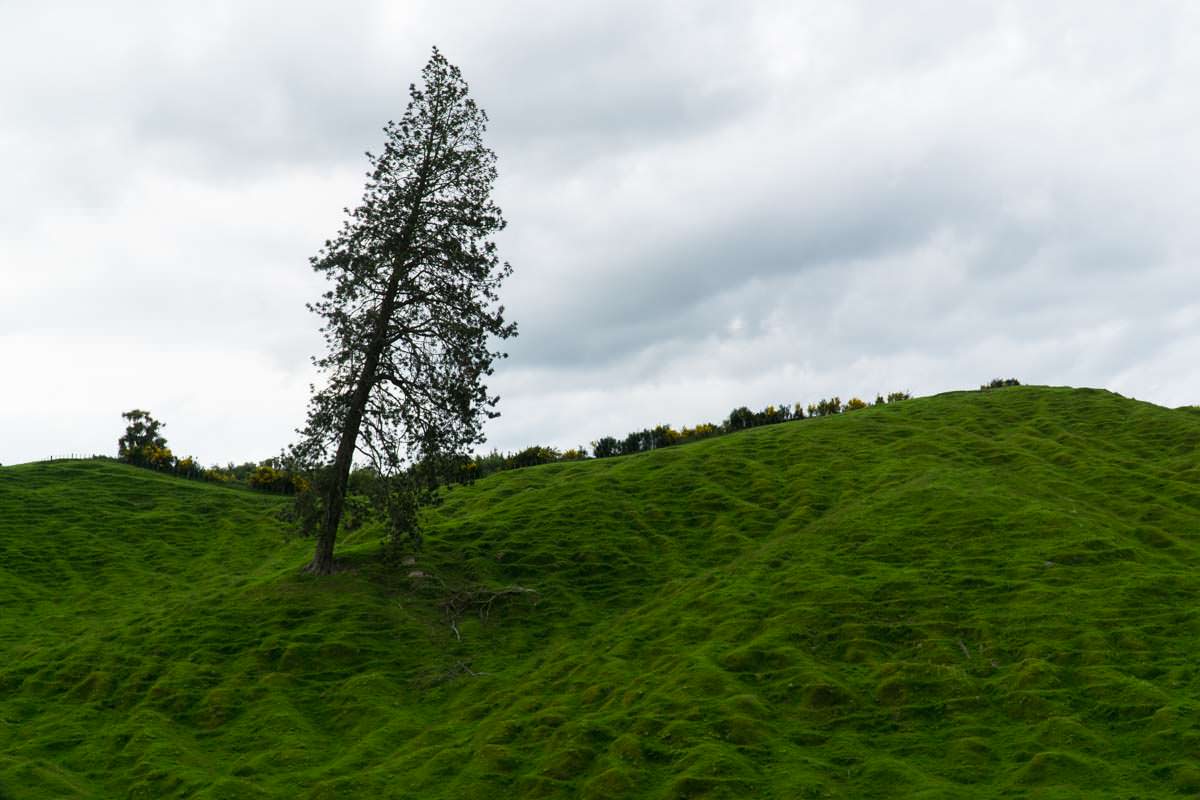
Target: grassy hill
(970, 595)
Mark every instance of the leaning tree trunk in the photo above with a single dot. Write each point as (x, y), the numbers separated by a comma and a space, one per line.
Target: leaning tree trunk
(335, 495)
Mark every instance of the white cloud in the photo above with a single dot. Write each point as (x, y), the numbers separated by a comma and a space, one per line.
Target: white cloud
(710, 205)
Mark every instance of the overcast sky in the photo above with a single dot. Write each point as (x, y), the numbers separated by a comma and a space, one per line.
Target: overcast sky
(709, 204)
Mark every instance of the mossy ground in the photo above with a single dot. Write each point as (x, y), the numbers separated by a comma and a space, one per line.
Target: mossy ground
(971, 595)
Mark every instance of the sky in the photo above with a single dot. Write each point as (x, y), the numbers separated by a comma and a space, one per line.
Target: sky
(710, 204)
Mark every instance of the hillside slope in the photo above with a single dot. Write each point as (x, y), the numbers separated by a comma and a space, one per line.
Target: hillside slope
(975, 594)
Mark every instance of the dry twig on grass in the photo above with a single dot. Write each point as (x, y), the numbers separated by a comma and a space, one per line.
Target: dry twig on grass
(457, 604)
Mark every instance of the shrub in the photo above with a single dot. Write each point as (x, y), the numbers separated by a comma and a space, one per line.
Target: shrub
(701, 431)
(1000, 383)
(896, 397)
(855, 403)
(159, 458)
(188, 468)
(356, 512)
(267, 478)
(532, 456)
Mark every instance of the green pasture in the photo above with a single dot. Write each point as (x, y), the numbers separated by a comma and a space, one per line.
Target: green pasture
(978, 594)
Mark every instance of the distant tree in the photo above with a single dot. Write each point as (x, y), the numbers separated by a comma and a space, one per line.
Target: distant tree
(486, 465)
(855, 403)
(740, 419)
(143, 445)
(663, 436)
(631, 444)
(824, 408)
(772, 415)
(605, 447)
(896, 397)
(188, 468)
(409, 319)
(702, 431)
(533, 456)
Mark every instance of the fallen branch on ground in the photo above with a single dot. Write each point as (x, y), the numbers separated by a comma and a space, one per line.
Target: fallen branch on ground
(459, 603)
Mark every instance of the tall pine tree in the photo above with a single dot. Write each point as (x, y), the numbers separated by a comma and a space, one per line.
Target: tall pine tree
(412, 314)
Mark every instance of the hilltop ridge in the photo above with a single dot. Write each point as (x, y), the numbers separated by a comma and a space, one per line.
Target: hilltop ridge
(978, 593)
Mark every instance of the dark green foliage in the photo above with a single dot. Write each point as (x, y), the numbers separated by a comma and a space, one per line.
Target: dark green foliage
(412, 314)
(271, 475)
(740, 419)
(269, 478)
(743, 418)
(143, 445)
(773, 415)
(825, 408)
(1000, 383)
(532, 456)
(496, 461)
(991, 595)
(358, 512)
(605, 446)
(662, 436)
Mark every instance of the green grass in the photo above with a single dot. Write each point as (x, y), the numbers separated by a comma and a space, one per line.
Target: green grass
(971, 595)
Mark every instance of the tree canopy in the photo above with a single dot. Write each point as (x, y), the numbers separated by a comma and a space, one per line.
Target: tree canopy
(143, 443)
(412, 312)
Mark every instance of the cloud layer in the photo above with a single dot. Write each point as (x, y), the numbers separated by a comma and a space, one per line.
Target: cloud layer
(709, 205)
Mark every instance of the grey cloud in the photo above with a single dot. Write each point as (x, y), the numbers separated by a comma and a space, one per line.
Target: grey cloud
(710, 205)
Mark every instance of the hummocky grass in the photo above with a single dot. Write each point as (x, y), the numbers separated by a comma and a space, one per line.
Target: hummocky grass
(976, 594)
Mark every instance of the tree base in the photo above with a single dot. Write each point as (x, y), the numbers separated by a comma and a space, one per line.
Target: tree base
(321, 566)
(322, 561)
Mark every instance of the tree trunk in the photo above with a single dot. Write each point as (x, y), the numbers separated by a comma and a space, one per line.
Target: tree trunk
(335, 497)
(322, 562)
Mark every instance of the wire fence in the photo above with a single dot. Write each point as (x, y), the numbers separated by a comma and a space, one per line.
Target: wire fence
(76, 457)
